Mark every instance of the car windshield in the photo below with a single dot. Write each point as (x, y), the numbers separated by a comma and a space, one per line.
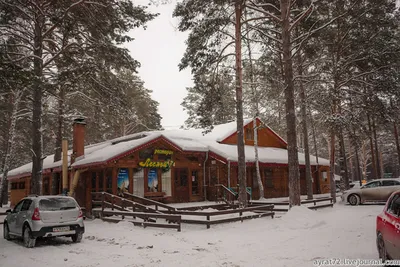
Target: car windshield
(51, 204)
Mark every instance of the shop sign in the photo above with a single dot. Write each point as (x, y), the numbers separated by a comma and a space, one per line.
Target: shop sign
(156, 164)
(163, 152)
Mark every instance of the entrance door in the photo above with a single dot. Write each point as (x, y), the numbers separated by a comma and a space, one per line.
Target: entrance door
(181, 185)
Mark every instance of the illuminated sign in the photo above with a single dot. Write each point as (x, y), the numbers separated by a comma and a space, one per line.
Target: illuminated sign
(156, 164)
(163, 152)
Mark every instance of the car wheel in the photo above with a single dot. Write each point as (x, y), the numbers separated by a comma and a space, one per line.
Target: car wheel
(29, 241)
(354, 200)
(6, 232)
(77, 238)
(381, 248)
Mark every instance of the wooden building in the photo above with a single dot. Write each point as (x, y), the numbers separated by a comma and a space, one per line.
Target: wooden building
(172, 165)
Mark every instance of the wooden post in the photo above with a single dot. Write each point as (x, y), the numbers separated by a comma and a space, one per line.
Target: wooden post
(102, 203)
(65, 166)
(114, 181)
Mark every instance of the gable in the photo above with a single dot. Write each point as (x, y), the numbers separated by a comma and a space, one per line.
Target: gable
(266, 137)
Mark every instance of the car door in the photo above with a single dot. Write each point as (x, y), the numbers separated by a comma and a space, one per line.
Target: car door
(387, 188)
(392, 227)
(12, 220)
(371, 191)
(22, 215)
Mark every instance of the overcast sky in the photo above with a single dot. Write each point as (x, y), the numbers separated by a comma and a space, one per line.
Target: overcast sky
(159, 49)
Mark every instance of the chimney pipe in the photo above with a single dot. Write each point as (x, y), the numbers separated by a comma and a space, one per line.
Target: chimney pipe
(78, 145)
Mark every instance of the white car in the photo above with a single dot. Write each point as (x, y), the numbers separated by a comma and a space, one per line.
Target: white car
(44, 216)
(374, 191)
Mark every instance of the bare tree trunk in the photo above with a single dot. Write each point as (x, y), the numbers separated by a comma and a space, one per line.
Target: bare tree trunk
(55, 185)
(372, 148)
(259, 181)
(344, 175)
(396, 138)
(316, 154)
(304, 128)
(239, 105)
(293, 161)
(332, 167)
(256, 114)
(358, 163)
(37, 137)
(351, 160)
(379, 168)
(9, 147)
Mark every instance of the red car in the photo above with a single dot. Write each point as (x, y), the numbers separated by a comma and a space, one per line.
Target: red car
(388, 229)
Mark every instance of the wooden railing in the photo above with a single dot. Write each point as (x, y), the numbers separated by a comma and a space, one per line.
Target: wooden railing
(225, 193)
(119, 203)
(174, 220)
(120, 206)
(262, 211)
(248, 191)
(286, 203)
(147, 201)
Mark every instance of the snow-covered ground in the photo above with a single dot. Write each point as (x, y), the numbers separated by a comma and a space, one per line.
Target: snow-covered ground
(293, 239)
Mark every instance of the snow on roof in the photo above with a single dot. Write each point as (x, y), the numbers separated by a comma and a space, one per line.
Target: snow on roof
(265, 154)
(186, 140)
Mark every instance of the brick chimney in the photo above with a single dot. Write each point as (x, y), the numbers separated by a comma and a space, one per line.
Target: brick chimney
(78, 136)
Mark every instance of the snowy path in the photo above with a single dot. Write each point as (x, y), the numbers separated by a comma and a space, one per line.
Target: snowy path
(295, 239)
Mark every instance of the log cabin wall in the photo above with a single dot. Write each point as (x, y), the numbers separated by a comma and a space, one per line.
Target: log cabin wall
(266, 138)
(324, 175)
(20, 188)
(144, 173)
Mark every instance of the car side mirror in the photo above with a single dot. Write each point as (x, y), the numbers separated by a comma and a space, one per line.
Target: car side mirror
(8, 211)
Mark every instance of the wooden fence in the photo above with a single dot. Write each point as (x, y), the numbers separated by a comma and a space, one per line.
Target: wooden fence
(120, 207)
(262, 211)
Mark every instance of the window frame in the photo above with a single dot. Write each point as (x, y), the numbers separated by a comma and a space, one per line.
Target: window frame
(372, 182)
(24, 208)
(389, 209)
(17, 206)
(395, 183)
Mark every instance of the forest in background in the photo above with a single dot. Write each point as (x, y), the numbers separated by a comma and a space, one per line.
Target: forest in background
(323, 74)
(61, 60)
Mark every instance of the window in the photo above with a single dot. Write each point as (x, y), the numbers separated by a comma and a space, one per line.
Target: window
(101, 181)
(166, 182)
(94, 178)
(268, 177)
(152, 180)
(46, 186)
(26, 205)
(138, 182)
(195, 183)
(372, 185)
(21, 185)
(249, 134)
(325, 175)
(146, 153)
(390, 183)
(18, 206)
(109, 181)
(394, 206)
(184, 177)
(14, 186)
(56, 203)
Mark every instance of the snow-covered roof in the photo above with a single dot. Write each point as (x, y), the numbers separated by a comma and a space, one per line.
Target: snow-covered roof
(185, 140)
